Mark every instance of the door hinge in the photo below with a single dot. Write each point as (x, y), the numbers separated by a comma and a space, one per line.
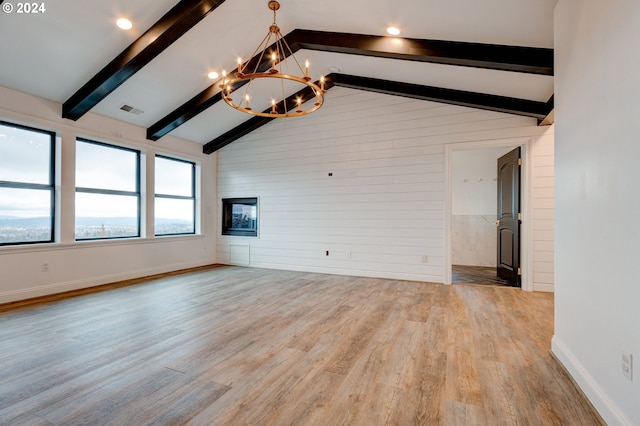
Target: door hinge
(519, 161)
(519, 216)
(519, 271)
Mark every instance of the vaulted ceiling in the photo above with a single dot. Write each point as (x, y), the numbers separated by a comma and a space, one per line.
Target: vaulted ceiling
(490, 54)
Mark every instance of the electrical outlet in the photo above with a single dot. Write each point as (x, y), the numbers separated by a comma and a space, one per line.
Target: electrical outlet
(425, 259)
(45, 267)
(348, 255)
(627, 364)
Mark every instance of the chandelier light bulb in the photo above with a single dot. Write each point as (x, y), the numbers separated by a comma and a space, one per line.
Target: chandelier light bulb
(224, 79)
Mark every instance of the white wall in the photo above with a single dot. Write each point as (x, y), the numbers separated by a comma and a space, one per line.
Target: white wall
(77, 265)
(598, 200)
(474, 206)
(382, 212)
(474, 181)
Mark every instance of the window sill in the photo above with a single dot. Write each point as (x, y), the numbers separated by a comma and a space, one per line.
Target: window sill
(42, 247)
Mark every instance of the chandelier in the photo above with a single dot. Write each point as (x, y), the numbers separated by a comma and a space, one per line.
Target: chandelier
(272, 62)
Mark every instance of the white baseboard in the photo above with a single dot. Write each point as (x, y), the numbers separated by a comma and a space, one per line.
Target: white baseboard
(547, 288)
(607, 409)
(46, 290)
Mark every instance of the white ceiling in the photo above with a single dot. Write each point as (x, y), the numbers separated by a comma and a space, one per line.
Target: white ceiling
(52, 54)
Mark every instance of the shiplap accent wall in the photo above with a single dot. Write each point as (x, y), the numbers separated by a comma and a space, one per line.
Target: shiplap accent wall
(381, 213)
(542, 207)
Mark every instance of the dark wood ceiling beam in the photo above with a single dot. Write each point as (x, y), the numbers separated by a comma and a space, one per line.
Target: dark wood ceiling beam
(484, 101)
(256, 122)
(550, 117)
(180, 19)
(236, 133)
(532, 60)
(508, 58)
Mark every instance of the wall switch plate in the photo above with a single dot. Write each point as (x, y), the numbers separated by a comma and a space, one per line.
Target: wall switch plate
(45, 267)
(425, 259)
(627, 364)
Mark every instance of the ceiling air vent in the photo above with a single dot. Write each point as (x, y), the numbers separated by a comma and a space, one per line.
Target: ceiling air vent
(132, 110)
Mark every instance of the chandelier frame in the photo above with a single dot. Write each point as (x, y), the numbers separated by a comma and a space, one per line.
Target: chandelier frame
(280, 54)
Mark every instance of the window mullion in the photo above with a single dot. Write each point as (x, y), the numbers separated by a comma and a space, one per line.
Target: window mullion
(23, 185)
(107, 191)
(175, 197)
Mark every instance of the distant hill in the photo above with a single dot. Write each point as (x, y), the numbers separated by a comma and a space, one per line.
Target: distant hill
(38, 222)
(22, 222)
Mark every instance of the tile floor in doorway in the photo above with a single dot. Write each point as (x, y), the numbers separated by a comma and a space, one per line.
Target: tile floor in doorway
(476, 275)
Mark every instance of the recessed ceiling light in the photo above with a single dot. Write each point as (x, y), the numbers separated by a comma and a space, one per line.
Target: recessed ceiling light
(212, 75)
(394, 31)
(124, 23)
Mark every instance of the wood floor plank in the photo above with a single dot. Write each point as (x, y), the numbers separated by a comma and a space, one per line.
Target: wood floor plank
(186, 395)
(423, 402)
(459, 413)
(248, 346)
(245, 398)
(92, 405)
(462, 382)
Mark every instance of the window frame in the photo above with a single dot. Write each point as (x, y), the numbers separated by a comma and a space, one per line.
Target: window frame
(51, 186)
(176, 197)
(227, 207)
(137, 193)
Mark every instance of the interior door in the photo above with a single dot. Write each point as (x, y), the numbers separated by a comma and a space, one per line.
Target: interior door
(508, 222)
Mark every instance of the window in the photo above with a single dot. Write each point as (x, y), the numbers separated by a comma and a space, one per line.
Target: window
(107, 191)
(27, 190)
(175, 200)
(240, 216)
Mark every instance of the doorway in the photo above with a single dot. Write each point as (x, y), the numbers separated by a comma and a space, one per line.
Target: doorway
(471, 237)
(486, 275)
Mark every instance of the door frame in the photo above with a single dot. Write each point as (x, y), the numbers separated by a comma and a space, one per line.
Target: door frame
(526, 230)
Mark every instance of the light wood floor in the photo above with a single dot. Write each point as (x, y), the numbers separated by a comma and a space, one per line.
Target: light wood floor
(235, 346)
